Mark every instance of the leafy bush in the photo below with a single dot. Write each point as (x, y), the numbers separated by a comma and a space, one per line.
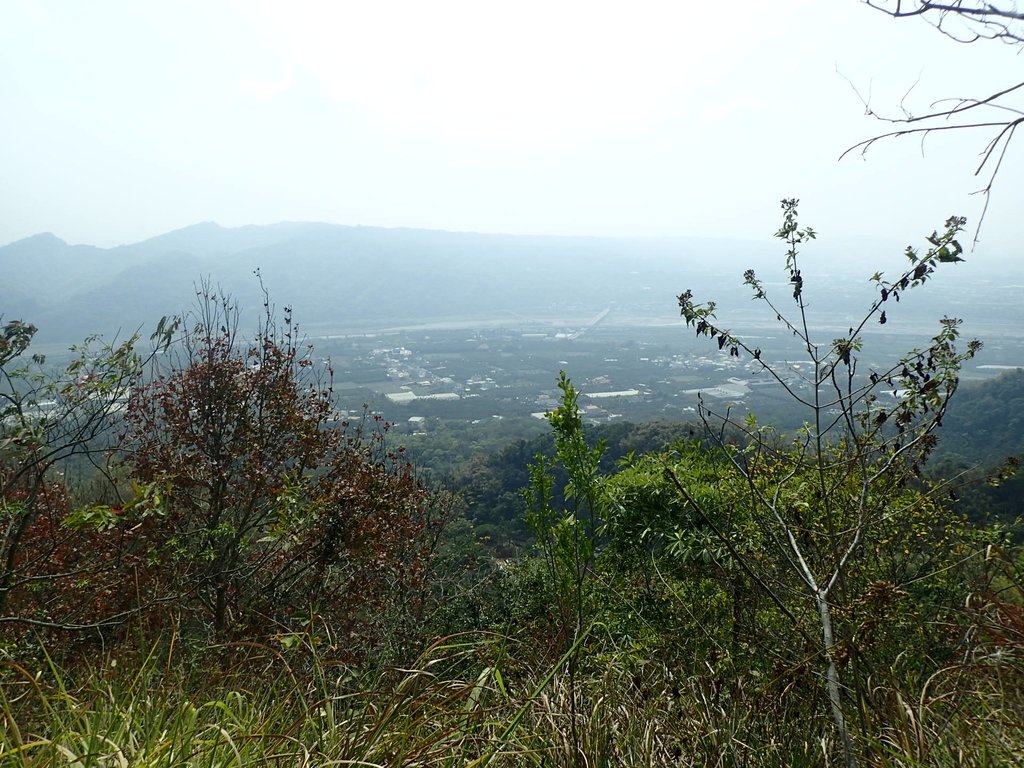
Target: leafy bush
(271, 509)
(246, 507)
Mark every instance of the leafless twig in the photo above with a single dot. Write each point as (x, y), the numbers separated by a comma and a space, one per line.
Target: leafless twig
(943, 119)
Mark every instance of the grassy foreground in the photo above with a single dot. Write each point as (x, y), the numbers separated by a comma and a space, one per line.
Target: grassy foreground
(467, 702)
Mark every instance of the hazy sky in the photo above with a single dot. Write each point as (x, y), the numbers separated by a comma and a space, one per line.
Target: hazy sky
(122, 120)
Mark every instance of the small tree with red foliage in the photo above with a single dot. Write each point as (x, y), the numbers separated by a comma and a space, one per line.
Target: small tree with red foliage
(271, 509)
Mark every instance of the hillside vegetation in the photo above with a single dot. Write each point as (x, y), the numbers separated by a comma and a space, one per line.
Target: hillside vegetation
(202, 563)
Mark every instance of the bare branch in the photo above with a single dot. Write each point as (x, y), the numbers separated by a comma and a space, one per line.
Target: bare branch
(965, 22)
(962, 21)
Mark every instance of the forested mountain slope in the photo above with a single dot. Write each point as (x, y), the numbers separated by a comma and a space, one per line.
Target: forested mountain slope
(341, 277)
(984, 426)
(985, 422)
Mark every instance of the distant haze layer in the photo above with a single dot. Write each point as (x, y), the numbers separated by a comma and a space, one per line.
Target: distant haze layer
(339, 278)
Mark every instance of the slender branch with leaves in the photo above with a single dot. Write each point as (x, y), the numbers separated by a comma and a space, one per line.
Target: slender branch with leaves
(49, 417)
(865, 437)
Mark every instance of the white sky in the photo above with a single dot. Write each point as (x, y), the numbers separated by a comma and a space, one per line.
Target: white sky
(122, 120)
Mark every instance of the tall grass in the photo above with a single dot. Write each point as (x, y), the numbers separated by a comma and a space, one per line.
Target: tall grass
(466, 702)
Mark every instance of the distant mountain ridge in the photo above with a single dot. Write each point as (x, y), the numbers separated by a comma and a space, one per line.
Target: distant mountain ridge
(340, 277)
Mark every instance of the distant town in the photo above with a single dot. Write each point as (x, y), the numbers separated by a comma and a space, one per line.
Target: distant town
(418, 377)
